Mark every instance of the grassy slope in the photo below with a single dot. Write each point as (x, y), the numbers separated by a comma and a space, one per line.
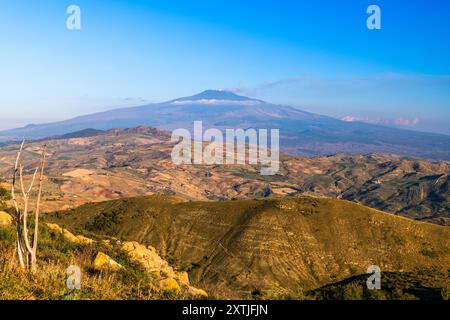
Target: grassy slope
(55, 255)
(235, 248)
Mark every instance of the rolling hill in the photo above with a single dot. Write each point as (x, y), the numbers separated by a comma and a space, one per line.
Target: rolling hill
(302, 133)
(95, 166)
(236, 248)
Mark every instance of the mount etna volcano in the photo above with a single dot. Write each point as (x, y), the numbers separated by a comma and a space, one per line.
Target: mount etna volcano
(302, 133)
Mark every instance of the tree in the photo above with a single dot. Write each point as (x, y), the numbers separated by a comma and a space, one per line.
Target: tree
(27, 251)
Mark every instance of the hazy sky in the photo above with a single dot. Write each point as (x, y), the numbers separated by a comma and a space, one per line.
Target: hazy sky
(320, 57)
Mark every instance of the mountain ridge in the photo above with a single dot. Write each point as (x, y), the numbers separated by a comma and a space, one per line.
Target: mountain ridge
(301, 133)
(216, 95)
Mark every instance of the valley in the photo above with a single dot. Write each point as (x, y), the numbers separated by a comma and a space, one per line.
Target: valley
(93, 166)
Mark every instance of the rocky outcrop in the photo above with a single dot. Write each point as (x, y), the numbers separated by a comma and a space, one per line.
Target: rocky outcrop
(170, 280)
(169, 285)
(5, 219)
(69, 236)
(103, 262)
(183, 278)
(197, 293)
(149, 259)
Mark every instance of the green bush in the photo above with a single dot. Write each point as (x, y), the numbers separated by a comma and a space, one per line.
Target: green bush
(353, 292)
(106, 222)
(376, 295)
(7, 235)
(445, 293)
(5, 195)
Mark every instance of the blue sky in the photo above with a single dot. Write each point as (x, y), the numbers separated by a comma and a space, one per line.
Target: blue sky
(317, 56)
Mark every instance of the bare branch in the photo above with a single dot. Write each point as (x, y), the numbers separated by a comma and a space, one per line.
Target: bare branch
(32, 181)
(18, 213)
(25, 227)
(38, 204)
(13, 193)
(22, 186)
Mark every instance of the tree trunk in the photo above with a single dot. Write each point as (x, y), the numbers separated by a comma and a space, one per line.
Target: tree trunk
(23, 242)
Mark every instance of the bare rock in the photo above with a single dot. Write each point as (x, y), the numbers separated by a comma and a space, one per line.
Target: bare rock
(197, 293)
(149, 259)
(5, 219)
(169, 285)
(183, 278)
(103, 262)
(69, 236)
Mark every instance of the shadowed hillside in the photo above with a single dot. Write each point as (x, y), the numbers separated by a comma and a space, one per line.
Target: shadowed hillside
(429, 285)
(233, 248)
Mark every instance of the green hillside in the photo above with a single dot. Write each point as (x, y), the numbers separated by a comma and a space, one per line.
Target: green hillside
(236, 248)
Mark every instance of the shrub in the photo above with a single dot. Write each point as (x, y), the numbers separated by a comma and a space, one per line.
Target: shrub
(353, 292)
(445, 293)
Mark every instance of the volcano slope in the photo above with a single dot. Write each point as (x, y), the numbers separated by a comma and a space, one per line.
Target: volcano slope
(234, 248)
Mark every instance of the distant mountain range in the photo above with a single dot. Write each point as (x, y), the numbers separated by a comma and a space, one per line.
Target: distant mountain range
(302, 133)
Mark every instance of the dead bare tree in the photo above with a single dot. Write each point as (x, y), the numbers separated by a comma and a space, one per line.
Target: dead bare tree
(26, 251)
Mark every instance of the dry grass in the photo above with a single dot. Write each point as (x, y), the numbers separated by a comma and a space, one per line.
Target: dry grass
(55, 255)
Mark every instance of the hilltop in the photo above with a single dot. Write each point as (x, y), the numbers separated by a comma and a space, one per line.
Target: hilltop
(234, 248)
